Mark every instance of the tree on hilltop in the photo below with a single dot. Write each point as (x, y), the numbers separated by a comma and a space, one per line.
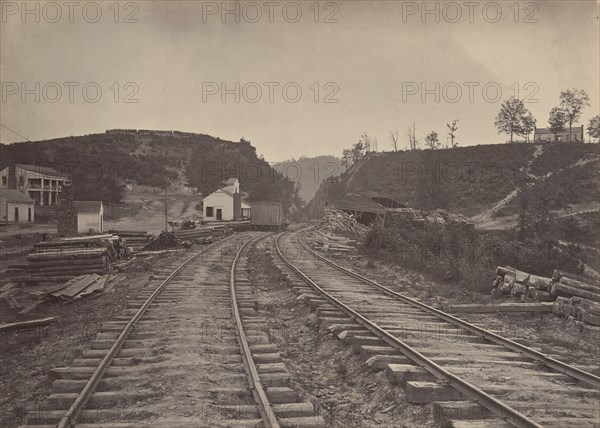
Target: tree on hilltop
(512, 118)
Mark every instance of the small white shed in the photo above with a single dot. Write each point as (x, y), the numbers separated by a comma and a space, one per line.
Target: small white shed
(16, 206)
(90, 216)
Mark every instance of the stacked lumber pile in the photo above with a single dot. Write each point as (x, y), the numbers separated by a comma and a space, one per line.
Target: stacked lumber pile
(221, 230)
(337, 221)
(239, 225)
(134, 239)
(572, 296)
(165, 241)
(405, 218)
(201, 235)
(333, 243)
(62, 259)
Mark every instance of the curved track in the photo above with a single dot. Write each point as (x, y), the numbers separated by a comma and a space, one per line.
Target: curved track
(466, 371)
(194, 351)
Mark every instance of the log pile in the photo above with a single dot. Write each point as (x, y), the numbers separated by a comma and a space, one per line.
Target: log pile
(572, 297)
(414, 219)
(200, 235)
(333, 243)
(63, 259)
(337, 221)
(134, 239)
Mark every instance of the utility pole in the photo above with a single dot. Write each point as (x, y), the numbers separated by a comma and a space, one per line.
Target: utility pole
(166, 216)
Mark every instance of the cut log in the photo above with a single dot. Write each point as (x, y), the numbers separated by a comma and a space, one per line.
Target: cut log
(563, 290)
(502, 307)
(84, 238)
(557, 275)
(561, 306)
(81, 254)
(497, 281)
(62, 268)
(540, 282)
(590, 306)
(27, 324)
(46, 278)
(75, 244)
(520, 276)
(590, 318)
(67, 262)
(518, 290)
(542, 296)
(578, 284)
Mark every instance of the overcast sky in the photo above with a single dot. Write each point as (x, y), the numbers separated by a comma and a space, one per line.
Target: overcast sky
(373, 58)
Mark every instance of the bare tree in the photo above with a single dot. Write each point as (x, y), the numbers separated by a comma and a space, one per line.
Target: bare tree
(394, 138)
(452, 132)
(413, 142)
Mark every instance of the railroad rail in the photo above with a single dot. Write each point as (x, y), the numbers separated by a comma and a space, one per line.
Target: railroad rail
(347, 303)
(166, 319)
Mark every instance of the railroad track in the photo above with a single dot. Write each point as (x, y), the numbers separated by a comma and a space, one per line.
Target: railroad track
(191, 351)
(472, 376)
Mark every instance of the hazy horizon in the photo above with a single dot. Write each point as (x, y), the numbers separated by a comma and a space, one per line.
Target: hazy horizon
(174, 60)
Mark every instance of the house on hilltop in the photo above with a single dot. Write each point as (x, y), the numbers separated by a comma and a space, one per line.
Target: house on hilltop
(226, 203)
(40, 183)
(545, 134)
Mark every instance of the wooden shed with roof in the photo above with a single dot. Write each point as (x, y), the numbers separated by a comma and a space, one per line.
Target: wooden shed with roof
(90, 216)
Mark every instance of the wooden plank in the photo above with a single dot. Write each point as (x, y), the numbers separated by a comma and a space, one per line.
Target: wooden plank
(63, 286)
(33, 306)
(98, 286)
(503, 307)
(77, 287)
(27, 324)
(8, 289)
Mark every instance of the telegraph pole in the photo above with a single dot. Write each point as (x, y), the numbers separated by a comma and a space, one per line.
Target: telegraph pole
(166, 216)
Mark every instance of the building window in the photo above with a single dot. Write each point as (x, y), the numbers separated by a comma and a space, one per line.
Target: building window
(209, 212)
(4, 179)
(21, 181)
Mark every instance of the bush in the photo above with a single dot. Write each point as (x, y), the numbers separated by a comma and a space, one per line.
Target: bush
(468, 260)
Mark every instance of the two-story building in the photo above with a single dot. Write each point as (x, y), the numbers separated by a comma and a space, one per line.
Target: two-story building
(545, 134)
(40, 183)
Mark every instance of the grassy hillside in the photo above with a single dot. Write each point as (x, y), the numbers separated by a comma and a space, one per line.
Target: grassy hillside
(478, 179)
(100, 165)
(308, 173)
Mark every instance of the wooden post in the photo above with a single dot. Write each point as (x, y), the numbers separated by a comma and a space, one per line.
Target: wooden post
(166, 216)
